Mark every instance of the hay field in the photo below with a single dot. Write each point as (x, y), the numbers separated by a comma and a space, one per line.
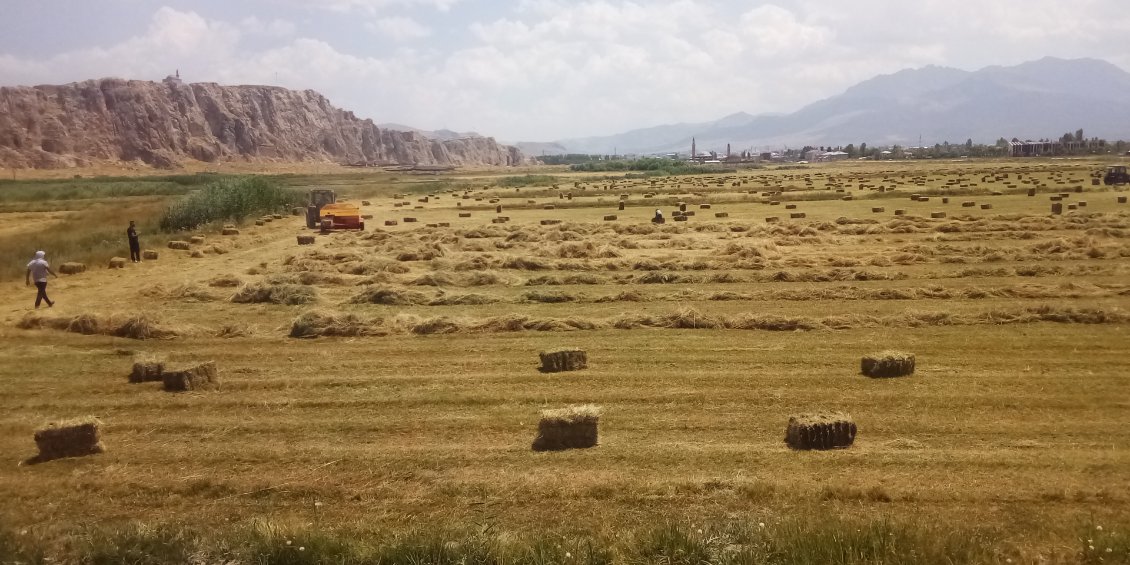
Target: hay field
(379, 391)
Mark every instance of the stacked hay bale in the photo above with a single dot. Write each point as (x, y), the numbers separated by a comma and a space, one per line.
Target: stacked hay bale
(200, 377)
(70, 438)
(147, 368)
(150, 255)
(888, 364)
(574, 427)
(566, 359)
(834, 430)
(72, 268)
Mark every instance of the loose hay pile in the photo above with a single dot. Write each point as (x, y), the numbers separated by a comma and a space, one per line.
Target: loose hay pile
(820, 431)
(574, 427)
(888, 364)
(147, 368)
(71, 438)
(199, 377)
(568, 359)
(289, 294)
(72, 268)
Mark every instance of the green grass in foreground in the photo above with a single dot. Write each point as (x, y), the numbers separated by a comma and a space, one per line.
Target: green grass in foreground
(825, 541)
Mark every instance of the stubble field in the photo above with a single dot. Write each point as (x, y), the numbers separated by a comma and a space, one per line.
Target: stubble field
(379, 390)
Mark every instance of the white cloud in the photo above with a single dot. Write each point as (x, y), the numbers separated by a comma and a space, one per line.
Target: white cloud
(399, 28)
(547, 69)
(273, 28)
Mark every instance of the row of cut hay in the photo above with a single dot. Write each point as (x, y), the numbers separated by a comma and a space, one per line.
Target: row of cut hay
(187, 292)
(391, 296)
(323, 323)
(132, 326)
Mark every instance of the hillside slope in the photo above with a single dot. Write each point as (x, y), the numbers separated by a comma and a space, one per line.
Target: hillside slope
(165, 123)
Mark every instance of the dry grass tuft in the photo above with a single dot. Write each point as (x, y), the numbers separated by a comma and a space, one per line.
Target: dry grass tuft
(132, 326)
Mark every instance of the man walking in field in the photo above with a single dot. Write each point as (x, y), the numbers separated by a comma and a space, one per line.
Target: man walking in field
(39, 269)
(134, 243)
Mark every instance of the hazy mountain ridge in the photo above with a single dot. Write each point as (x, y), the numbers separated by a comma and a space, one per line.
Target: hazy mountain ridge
(1038, 99)
(165, 123)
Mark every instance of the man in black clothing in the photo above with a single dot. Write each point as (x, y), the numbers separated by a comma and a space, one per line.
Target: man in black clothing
(134, 243)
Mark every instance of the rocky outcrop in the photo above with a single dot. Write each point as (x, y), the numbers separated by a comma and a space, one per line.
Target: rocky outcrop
(169, 122)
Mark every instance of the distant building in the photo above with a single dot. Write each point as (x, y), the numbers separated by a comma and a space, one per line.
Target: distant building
(1041, 148)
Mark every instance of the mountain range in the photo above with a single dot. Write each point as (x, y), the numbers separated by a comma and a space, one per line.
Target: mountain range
(1038, 99)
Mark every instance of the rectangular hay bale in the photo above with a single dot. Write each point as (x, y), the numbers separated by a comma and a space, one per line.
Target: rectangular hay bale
(823, 431)
(72, 438)
(566, 359)
(574, 427)
(887, 364)
(200, 377)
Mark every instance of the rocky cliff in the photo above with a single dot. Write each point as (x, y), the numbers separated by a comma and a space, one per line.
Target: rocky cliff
(165, 123)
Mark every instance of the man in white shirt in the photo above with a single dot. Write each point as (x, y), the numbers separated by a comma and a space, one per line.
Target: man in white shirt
(38, 269)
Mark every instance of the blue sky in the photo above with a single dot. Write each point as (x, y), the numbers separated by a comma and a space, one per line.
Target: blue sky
(538, 70)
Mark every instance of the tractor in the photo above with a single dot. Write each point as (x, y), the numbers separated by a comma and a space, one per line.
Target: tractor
(1116, 175)
(325, 212)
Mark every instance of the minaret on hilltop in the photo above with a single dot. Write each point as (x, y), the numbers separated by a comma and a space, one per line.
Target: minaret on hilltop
(694, 152)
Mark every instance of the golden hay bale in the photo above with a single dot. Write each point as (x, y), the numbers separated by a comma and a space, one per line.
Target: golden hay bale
(937, 215)
(986, 206)
(72, 268)
(305, 240)
(230, 231)
(366, 203)
(878, 210)
(297, 211)
(834, 430)
(196, 239)
(848, 197)
(147, 368)
(610, 218)
(150, 255)
(567, 359)
(390, 222)
(900, 212)
(550, 222)
(707, 206)
(118, 263)
(790, 206)
(260, 222)
(797, 215)
(1121, 199)
(679, 218)
(968, 204)
(409, 220)
(69, 438)
(182, 245)
(464, 214)
(277, 216)
(574, 427)
(888, 364)
(772, 219)
(366, 216)
(200, 377)
(1057, 208)
(721, 214)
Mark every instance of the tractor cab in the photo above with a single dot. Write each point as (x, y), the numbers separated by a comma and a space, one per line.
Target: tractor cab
(1116, 175)
(318, 198)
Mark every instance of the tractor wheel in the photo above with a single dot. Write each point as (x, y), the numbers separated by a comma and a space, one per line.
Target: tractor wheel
(311, 217)
(361, 226)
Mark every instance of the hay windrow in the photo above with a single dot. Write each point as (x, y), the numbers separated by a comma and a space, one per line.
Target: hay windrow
(132, 326)
(266, 293)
